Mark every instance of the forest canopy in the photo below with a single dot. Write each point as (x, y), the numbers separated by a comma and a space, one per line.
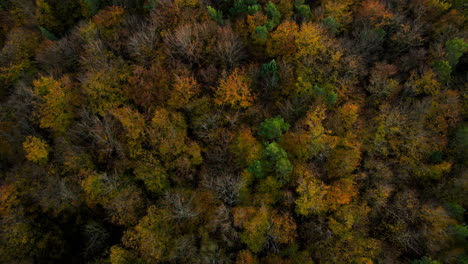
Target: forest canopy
(233, 131)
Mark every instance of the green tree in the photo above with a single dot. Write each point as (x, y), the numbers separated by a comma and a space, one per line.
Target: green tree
(455, 49)
(273, 128)
(274, 16)
(276, 158)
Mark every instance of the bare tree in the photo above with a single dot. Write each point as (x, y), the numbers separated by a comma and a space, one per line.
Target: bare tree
(180, 204)
(225, 185)
(229, 49)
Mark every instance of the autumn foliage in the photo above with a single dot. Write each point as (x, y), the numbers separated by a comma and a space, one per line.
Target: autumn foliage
(233, 131)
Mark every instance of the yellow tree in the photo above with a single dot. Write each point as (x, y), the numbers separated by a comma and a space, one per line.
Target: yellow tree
(309, 136)
(54, 108)
(37, 149)
(339, 10)
(234, 90)
(246, 147)
(151, 236)
(311, 192)
(256, 229)
(134, 127)
(340, 192)
(168, 134)
(281, 42)
(317, 59)
(184, 88)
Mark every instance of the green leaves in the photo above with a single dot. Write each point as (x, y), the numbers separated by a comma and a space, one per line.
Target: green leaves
(216, 15)
(273, 128)
(455, 49)
(274, 16)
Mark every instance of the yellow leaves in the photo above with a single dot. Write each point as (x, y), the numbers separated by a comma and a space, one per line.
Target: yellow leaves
(375, 12)
(37, 149)
(188, 3)
(119, 255)
(168, 133)
(338, 9)
(341, 192)
(93, 186)
(105, 88)
(246, 147)
(234, 90)
(257, 223)
(347, 115)
(310, 137)
(313, 121)
(151, 236)
(134, 126)
(310, 40)
(111, 16)
(315, 197)
(282, 41)
(185, 87)
(9, 200)
(132, 121)
(426, 83)
(311, 192)
(284, 228)
(255, 230)
(54, 108)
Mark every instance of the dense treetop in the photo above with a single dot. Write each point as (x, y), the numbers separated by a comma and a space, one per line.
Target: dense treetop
(233, 131)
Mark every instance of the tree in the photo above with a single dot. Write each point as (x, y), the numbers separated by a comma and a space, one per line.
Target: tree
(303, 10)
(255, 230)
(340, 192)
(104, 89)
(281, 42)
(119, 255)
(340, 11)
(276, 160)
(343, 161)
(375, 13)
(168, 135)
(216, 15)
(311, 192)
(283, 228)
(455, 49)
(246, 147)
(273, 128)
(134, 128)
(149, 87)
(246, 257)
(123, 202)
(184, 89)
(425, 260)
(234, 90)
(425, 83)
(274, 16)
(37, 149)
(15, 55)
(150, 170)
(443, 69)
(54, 109)
(151, 237)
(381, 85)
(309, 137)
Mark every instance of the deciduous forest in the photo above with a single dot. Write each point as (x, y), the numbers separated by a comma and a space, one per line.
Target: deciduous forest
(233, 131)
